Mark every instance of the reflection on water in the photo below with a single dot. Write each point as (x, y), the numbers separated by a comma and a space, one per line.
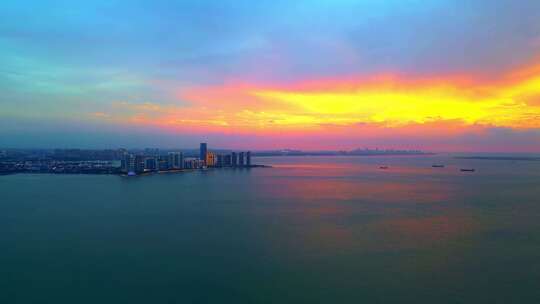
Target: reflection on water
(308, 230)
(316, 189)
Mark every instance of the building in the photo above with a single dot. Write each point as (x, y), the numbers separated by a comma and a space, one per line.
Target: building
(170, 160)
(128, 163)
(248, 158)
(234, 160)
(227, 161)
(193, 163)
(151, 164)
(189, 163)
(139, 164)
(211, 159)
(179, 160)
(241, 159)
(220, 160)
(175, 160)
(163, 163)
(202, 152)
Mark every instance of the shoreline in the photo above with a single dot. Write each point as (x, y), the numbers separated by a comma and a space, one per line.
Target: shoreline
(176, 171)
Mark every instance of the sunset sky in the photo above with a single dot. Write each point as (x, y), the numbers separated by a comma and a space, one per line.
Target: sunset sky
(308, 74)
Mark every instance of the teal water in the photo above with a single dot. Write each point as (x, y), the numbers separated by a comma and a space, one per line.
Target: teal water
(308, 230)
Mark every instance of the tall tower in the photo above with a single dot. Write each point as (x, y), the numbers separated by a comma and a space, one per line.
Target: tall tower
(202, 152)
(180, 160)
(248, 158)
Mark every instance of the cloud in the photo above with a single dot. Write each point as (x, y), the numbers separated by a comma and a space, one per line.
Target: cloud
(340, 69)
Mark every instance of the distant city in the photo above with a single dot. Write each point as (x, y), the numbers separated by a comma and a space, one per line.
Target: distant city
(150, 160)
(120, 161)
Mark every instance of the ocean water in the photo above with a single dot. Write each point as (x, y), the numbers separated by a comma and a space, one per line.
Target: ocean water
(308, 230)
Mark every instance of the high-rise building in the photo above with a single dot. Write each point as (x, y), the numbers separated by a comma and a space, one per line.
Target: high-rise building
(248, 158)
(170, 160)
(211, 159)
(128, 163)
(139, 164)
(227, 161)
(179, 160)
(124, 163)
(175, 160)
(234, 160)
(202, 152)
(163, 163)
(241, 159)
(151, 163)
(220, 160)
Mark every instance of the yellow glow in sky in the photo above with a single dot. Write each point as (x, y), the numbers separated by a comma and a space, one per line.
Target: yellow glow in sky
(498, 106)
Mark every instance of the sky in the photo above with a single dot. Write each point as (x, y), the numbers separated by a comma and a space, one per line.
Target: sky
(438, 75)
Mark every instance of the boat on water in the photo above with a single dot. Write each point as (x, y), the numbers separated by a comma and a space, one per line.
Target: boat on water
(467, 170)
(437, 166)
(383, 167)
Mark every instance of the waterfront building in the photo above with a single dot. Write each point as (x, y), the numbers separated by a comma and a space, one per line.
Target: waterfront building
(124, 163)
(194, 163)
(128, 163)
(151, 164)
(241, 159)
(200, 163)
(170, 160)
(227, 160)
(202, 151)
(234, 159)
(175, 160)
(188, 163)
(211, 159)
(220, 160)
(179, 160)
(248, 158)
(163, 163)
(139, 164)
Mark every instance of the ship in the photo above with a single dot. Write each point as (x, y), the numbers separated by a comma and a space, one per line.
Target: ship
(467, 170)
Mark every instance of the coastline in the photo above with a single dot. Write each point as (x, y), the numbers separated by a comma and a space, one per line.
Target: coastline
(176, 171)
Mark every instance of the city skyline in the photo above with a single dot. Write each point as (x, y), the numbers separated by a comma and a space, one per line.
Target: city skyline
(120, 161)
(442, 76)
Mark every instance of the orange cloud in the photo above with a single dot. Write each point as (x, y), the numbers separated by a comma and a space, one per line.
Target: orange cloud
(374, 105)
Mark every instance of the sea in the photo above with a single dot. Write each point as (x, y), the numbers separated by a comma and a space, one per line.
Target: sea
(314, 229)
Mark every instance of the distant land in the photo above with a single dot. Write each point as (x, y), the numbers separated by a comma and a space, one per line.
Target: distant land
(364, 152)
(517, 158)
